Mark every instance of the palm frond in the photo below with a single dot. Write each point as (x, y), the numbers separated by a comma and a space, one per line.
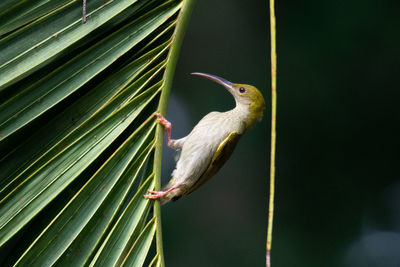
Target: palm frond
(79, 146)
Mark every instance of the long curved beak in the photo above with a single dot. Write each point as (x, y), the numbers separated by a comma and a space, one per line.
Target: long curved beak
(227, 84)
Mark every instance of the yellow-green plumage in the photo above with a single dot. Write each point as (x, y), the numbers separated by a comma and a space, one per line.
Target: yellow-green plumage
(211, 142)
(224, 151)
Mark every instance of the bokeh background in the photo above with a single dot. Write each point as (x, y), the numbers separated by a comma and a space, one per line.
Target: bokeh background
(338, 186)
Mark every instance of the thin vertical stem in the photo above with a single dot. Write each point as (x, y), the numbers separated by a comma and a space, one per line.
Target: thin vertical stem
(177, 39)
(273, 131)
(84, 11)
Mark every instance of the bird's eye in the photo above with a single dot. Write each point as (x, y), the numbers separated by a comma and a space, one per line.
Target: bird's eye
(242, 90)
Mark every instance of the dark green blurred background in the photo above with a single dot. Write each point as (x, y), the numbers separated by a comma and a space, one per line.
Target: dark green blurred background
(337, 192)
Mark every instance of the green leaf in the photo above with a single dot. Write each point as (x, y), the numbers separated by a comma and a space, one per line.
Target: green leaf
(79, 146)
(94, 200)
(138, 252)
(41, 187)
(46, 38)
(128, 226)
(155, 262)
(79, 118)
(62, 82)
(13, 16)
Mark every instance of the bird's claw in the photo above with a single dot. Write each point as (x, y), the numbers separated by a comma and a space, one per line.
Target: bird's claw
(151, 196)
(163, 121)
(156, 194)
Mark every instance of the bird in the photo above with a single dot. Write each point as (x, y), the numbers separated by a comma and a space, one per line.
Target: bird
(211, 142)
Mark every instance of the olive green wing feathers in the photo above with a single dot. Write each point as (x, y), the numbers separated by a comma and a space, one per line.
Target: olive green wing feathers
(222, 154)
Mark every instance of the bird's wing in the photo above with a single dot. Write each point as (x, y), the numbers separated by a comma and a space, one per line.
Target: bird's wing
(222, 154)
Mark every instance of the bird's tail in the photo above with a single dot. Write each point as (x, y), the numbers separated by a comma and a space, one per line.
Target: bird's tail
(165, 199)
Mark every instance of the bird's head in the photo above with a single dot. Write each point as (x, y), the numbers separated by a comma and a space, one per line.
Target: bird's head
(245, 95)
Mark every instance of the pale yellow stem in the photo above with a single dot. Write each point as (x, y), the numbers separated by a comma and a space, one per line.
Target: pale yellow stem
(273, 131)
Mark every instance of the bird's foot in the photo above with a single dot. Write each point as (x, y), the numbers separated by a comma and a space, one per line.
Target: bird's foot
(158, 194)
(163, 121)
(166, 124)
